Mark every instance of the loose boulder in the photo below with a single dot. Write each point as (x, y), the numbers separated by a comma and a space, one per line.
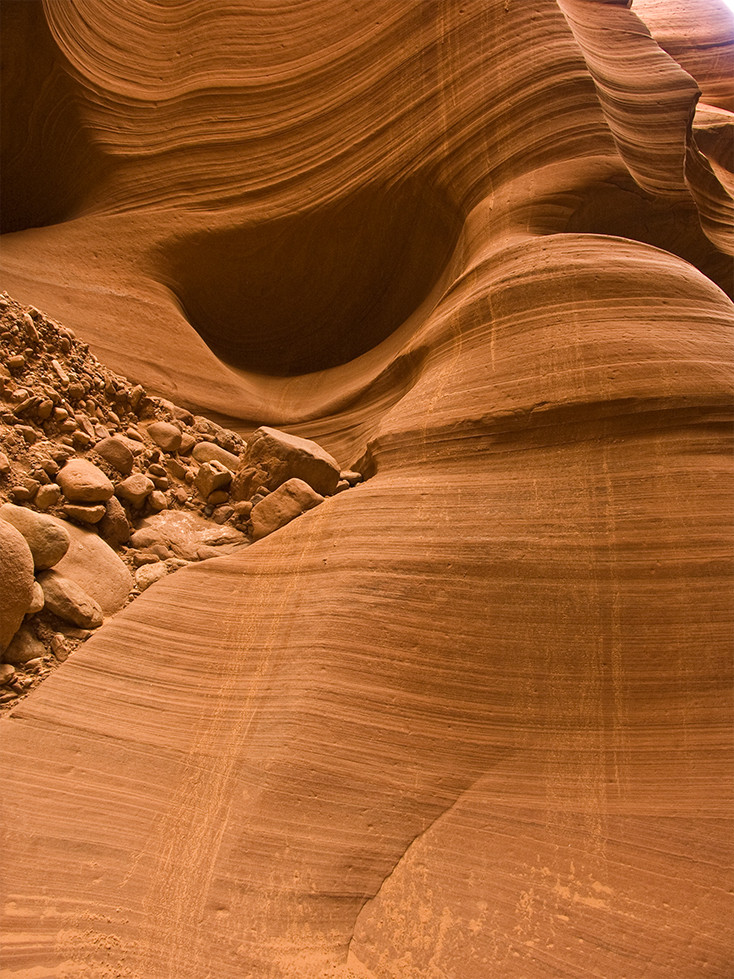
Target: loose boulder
(23, 648)
(114, 451)
(135, 489)
(95, 567)
(47, 539)
(280, 457)
(69, 601)
(210, 451)
(83, 482)
(288, 501)
(166, 435)
(16, 581)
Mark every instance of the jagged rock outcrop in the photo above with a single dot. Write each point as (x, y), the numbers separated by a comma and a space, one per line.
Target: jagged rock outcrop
(472, 717)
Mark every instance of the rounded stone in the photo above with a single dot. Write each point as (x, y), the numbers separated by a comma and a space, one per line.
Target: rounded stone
(165, 435)
(16, 581)
(46, 539)
(83, 482)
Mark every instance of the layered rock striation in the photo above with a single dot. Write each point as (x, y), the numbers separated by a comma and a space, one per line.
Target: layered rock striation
(472, 717)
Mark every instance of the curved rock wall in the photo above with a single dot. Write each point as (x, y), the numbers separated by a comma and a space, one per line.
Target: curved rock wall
(472, 717)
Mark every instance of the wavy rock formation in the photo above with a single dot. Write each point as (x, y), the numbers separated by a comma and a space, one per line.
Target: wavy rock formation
(473, 717)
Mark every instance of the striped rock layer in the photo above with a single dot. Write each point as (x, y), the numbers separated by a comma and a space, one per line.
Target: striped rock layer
(472, 718)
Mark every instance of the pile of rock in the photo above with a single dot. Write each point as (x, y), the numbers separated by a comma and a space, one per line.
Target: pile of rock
(57, 583)
(91, 454)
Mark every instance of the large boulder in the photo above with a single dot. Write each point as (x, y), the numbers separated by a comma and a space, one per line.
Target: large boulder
(47, 539)
(281, 506)
(279, 456)
(95, 567)
(16, 581)
(83, 482)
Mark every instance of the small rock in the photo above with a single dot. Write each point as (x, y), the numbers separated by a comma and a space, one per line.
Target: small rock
(80, 440)
(166, 435)
(217, 497)
(60, 372)
(210, 451)
(114, 451)
(341, 486)
(4, 464)
(135, 489)
(37, 599)
(288, 501)
(114, 527)
(59, 647)
(222, 514)
(24, 646)
(83, 482)
(176, 468)
(212, 476)
(16, 363)
(48, 496)
(187, 444)
(7, 672)
(148, 574)
(351, 476)
(135, 395)
(30, 435)
(69, 601)
(84, 513)
(47, 541)
(74, 632)
(157, 501)
(147, 557)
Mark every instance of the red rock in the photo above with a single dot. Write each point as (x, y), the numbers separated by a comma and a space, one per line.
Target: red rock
(135, 489)
(83, 482)
(16, 581)
(284, 504)
(166, 435)
(473, 719)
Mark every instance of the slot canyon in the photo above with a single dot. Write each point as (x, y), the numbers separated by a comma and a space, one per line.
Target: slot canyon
(470, 718)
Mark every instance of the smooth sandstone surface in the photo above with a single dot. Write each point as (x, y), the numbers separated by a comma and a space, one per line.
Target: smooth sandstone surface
(472, 717)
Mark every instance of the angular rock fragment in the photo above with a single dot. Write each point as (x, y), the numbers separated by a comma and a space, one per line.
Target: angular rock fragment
(148, 574)
(84, 513)
(281, 456)
(212, 476)
(114, 528)
(288, 501)
(135, 489)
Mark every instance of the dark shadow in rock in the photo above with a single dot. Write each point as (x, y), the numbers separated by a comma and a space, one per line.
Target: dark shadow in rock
(314, 290)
